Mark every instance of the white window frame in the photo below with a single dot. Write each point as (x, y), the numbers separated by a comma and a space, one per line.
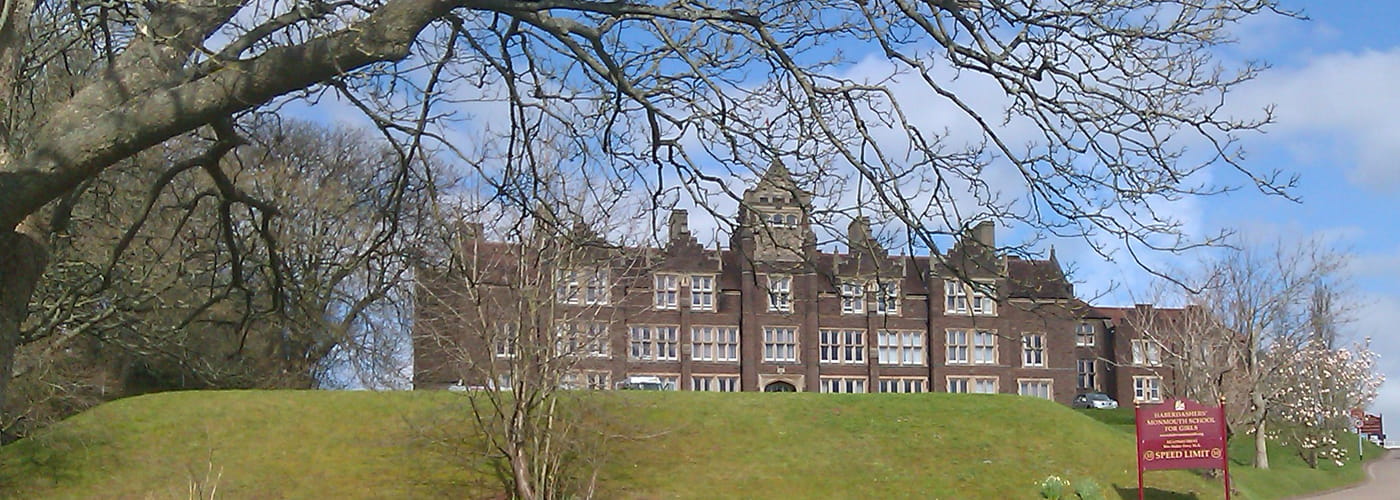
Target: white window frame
(598, 289)
(1147, 389)
(702, 292)
(887, 298)
(1033, 350)
(780, 344)
(842, 385)
(583, 338)
(900, 347)
(852, 297)
(1085, 335)
(983, 304)
(970, 384)
(505, 345)
(666, 288)
(1035, 384)
(903, 385)
(714, 343)
(965, 299)
(597, 380)
(956, 297)
(841, 346)
(779, 293)
(1146, 352)
(958, 346)
(984, 347)
(1086, 379)
(980, 384)
(653, 342)
(566, 286)
(714, 382)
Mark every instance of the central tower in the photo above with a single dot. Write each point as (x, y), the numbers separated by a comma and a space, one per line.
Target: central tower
(774, 223)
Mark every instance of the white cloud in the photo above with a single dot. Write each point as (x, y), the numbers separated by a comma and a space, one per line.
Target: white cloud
(1344, 101)
(1375, 320)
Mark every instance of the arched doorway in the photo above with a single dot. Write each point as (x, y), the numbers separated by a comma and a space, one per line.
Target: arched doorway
(779, 386)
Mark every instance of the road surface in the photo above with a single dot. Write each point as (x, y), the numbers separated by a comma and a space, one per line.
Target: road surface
(1384, 482)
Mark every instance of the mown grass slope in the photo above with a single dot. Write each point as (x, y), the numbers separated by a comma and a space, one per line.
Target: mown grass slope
(306, 444)
(1288, 474)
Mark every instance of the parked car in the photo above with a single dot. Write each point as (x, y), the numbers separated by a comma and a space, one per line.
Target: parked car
(1097, 400)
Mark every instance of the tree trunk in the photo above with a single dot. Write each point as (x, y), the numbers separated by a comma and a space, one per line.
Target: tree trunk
(1261, 443)
(22, 261)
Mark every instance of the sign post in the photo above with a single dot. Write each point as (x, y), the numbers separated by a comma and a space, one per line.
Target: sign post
(1182, 434)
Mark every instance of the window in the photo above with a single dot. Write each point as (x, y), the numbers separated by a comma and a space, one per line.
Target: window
(780, 344)
(654, 343)
(902, 384)
(1035, 387)
(594, 285)
(983, 304)
(842, 346)
(779, 294)
(887, 298)
(567, 286)
(588, 379)
(1087, 378)
(852, 298)
(667, 290)
(714, 383)
(714, 343)
(975, 385)
(583, 339)
(984, 348)
(1033, 349)
(957, 347)
(900, 348)
(506, 343)
(957, 297)
(597, 381)
(1084, 335)
(1147, 353)
(702, 292)
(1147, 389)
(596, 291)
(957, 294)
(843, 384)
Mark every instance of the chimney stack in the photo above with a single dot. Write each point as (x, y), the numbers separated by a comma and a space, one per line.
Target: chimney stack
(985, 234)
(678, 227)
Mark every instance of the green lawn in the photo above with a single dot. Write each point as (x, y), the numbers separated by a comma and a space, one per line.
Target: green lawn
(302, 444)
(1287, 476)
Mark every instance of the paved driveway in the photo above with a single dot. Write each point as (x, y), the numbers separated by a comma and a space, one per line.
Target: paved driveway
(1383, 485)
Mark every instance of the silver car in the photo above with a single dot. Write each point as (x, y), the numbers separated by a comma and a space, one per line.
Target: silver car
(1096, 400)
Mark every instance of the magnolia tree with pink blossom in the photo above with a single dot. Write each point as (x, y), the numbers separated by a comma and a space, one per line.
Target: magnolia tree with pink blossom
(1313, 392)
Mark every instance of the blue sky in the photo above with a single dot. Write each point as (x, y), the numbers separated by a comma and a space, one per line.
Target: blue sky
(1336, 83)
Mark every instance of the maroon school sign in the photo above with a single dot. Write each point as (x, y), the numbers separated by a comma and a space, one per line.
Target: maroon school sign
(1181, 434)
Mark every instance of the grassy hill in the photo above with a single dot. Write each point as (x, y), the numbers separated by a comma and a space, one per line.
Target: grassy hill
(1287, 476)
(292, 444)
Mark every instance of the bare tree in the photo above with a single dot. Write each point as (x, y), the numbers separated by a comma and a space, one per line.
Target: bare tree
(516, 308)
(675, 97)
(1252, 330)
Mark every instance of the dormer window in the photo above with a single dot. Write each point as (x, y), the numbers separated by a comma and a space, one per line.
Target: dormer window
(852, 297)
(780, 294)
(887, 298)
(961, 295)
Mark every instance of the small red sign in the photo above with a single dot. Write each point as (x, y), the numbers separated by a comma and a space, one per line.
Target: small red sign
(1181, 434)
